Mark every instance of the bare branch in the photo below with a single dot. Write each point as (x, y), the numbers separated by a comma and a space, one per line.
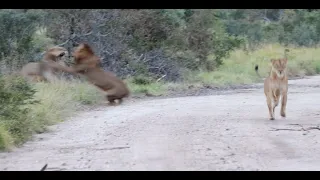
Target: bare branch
(106, 51)
(62, 44)
(103, 35)
(161, 78)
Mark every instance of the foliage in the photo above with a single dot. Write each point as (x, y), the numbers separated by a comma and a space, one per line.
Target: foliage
(155, 42)
(29, 108)
(299, 27)
(239, 67)
(146, 41)
(16, 38)
(15, 95)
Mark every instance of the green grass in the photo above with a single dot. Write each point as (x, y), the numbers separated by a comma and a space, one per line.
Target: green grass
(239, 67)
(151, 88)
(6, 141)
(58, 100)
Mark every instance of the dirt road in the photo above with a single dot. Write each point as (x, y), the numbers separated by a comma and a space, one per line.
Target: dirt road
(218, 132)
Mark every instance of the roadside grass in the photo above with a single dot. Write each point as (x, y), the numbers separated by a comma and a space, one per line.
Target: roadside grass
(57, 101)
(154, 88)
(60, 100)
(239, 67)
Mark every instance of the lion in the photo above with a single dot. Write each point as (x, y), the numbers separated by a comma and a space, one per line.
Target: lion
(48, 68)
(31, 71)
(276, 86)
(86, 64)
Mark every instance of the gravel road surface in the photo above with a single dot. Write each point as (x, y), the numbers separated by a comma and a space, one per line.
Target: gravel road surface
(230, 131)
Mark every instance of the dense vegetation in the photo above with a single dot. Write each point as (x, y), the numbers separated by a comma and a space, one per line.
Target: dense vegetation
(143, 46)
(154, 42)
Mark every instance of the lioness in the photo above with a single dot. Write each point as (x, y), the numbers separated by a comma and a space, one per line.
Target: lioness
(86, 64)
(31, 71)
(47, 68)
(276, 85)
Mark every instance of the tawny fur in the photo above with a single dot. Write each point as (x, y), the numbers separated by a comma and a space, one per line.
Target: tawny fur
(31, 71)
(86, 63)
(48, 68)
(276, 86)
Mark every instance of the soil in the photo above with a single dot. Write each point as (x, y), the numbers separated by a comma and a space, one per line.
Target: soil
(207, 129)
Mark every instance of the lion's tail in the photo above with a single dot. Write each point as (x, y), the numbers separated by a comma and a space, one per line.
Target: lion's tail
(256, 68)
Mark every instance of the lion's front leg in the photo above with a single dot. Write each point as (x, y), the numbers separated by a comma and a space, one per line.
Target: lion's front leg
(269, 103)
(283, 104)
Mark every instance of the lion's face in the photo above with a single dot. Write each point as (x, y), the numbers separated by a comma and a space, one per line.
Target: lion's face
(78, 51)
(279, 66)
(57, 52)
(82, 52)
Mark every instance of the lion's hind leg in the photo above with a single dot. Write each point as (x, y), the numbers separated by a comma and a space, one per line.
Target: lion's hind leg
(35, 78)
(111, 99)
(40, 79)
(120, 101)
(112, 95)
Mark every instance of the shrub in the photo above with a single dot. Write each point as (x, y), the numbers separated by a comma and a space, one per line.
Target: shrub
(16, 38)
(15, 95)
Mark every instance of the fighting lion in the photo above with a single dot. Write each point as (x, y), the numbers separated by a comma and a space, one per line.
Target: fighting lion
(86, 63)
(48, 68)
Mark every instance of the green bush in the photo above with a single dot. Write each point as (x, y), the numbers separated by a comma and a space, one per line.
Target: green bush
(15, 95)
(141, 80)
(25, 110)
(16, 38)
(17, 28)
(264, 26)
